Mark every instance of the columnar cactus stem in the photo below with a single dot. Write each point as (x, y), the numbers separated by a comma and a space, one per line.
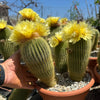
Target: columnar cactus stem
(61, 57)
(78, 56)
(95, 43)
(36, 54)
(8, 48)
(5, 33)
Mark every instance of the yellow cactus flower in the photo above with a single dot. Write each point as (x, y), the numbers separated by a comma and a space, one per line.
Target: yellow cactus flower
(58, 35)
(28, 13)
(52, 21)
(10, 27)
(74, 31)
(2, 24)
(63, 20)
(41, 29)
(42, 20)
(53, 41)
(26, 30)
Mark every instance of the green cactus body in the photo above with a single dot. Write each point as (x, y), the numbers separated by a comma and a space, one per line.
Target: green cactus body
(5, 33)
(53, 30)
(8, 48)
(61, 57)
(36, 54)
(19, 94)
(78, 55)
(95, 43)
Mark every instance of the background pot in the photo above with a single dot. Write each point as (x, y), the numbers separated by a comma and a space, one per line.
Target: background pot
(79, 94)
(92, 65)
(96, 74)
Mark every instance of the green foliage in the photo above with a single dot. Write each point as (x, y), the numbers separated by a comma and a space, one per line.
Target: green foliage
(72, 11)
(97, 2)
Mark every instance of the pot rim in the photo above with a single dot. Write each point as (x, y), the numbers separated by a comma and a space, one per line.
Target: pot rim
(70, 93)
(92, 58)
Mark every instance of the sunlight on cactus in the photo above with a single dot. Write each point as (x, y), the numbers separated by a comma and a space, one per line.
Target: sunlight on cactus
(26, 30)
(74, 31)
(54, 40)
(52, 21)
(29, 14)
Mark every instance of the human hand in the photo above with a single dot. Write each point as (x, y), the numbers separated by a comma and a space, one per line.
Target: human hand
(17, 75)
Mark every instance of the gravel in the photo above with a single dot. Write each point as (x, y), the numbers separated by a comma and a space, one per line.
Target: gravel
(2, 97)
(65, 84)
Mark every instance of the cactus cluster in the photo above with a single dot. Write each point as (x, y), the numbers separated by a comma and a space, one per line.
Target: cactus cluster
(35, 37)
(7, 48)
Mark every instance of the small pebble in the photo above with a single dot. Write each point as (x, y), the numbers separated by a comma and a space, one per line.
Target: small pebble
(66, 84)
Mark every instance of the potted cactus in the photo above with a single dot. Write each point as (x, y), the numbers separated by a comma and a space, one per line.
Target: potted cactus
(75, 43)
(78, 50)
(37, 48)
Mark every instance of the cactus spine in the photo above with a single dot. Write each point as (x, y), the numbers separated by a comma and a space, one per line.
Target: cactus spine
(78, 56)
(19, 94)
(61, 57)
(37, 56)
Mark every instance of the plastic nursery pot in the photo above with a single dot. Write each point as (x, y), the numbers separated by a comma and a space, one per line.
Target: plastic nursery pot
(92, 66)
(92, 63)
(96, 74)
(79, 94)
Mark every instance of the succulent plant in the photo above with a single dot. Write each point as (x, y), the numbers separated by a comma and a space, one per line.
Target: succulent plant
(59, 52)
(79, 37)
(4, 31)
(35, 50)
(6, 48)
(61, 57)
(78, 55)
(95, 39)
